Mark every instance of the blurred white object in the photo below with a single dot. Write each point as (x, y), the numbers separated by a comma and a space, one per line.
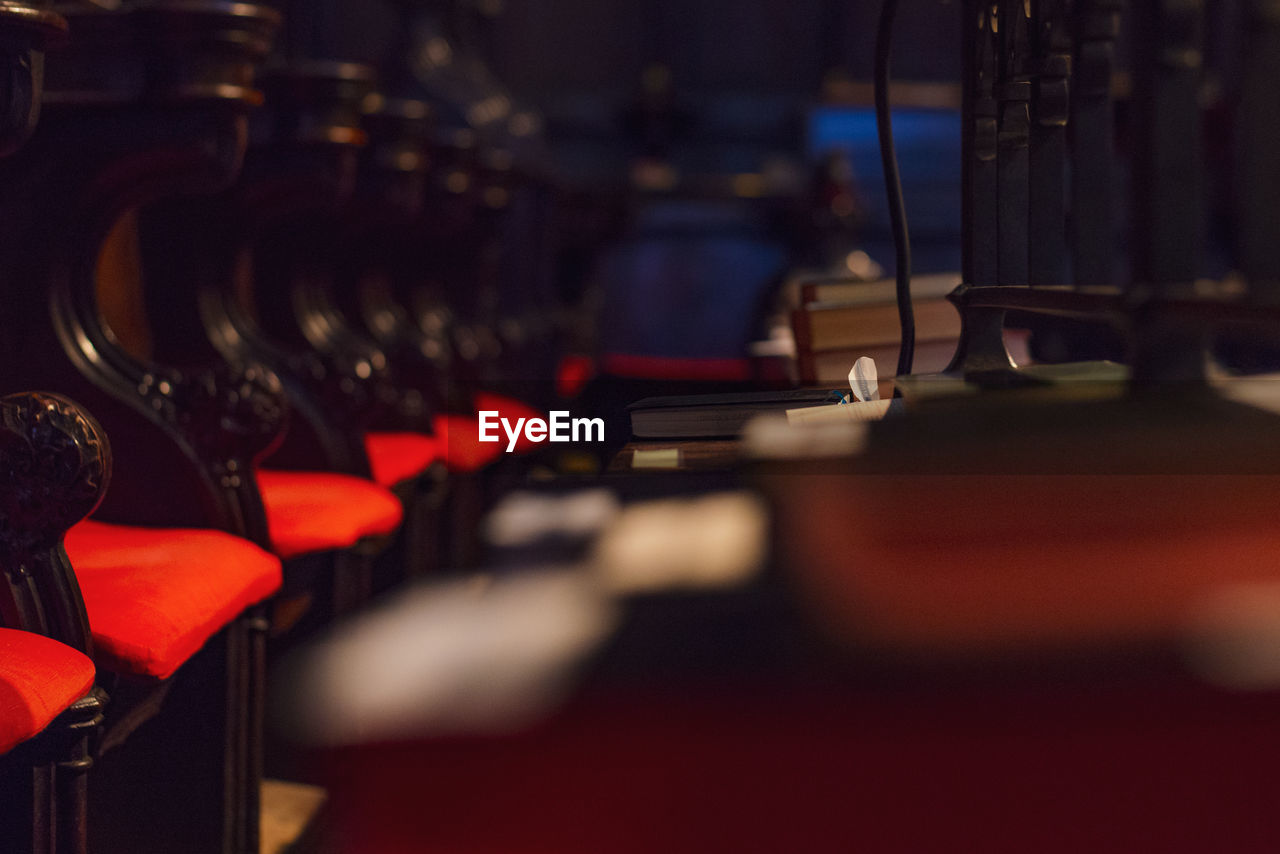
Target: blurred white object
(469, 656)
(864, 380)
(678, 544)
(525, 517)
(655, 458)
(869, 410)
(1235, 637)
(812, 436)
(862, 266)
(1258, 390)
(781, 342)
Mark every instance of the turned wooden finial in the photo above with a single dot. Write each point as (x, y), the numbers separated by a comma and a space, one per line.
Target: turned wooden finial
(55, 463)
(148, 100)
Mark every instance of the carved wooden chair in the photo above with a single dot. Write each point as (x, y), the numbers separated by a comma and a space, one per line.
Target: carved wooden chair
(54, 465)
(268, 289)
(441, 270)
(295, 233)
(399, 222)
(47, 703)
(204, 262)
(222, 416)
(147, 98)
(385, 254)
(53, 468)
(376, 237)
(489, 274)
(296, 196)
(414, 241)
(421, 268)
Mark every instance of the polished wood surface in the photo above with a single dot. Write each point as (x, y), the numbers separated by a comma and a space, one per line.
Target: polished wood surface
(693, 455)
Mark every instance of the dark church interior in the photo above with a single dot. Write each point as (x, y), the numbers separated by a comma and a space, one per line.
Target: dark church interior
(639, 426)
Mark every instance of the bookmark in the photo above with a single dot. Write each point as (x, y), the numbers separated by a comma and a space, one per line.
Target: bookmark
(864, 380)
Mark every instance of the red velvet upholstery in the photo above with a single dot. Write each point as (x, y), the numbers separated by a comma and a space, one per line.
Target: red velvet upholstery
(573, 374)
(39, 678)
(458, 436)
(460, 446)
(155, 595)
(396, 457)
(318, 511)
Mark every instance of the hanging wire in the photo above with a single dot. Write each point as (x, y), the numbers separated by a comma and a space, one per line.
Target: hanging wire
(893, 188)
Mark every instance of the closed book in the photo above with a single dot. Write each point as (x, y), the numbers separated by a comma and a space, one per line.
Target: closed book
(710, 416)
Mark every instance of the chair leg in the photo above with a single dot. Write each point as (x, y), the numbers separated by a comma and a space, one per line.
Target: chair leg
(245, 698)
(235, 746)
(352, 583)
(37, 835)
(423, 533)
(79, 726)
(26, 802)
(257, 627)
(261, 631)
(177, 781)
(416, 550)
(464, 505)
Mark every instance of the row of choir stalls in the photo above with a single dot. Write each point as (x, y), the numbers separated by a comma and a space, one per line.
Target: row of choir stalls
(250, 313)
(924, 353)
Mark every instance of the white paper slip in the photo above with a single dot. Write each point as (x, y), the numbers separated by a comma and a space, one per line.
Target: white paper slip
(1258, 390)
(864, 379)
(657, 458)
(713, 541)
(773, 437)
(871, 410)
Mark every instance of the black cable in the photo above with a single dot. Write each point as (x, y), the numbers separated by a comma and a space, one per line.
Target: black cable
(893, 188)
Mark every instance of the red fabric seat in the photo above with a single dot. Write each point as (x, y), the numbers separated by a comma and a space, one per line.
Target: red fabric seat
(39, 678)
(396, 457)
(573, 373)
(318, 511)
(459, 442)
(458, 436)
(155, 595)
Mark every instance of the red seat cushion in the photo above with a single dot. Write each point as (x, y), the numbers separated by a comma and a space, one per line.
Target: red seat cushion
(458, 436)
(318, 511)
(573, 373)
(396, 457)
(155, 595)
(459, 442)
(39, 678)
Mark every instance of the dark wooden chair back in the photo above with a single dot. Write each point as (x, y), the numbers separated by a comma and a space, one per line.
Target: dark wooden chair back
(147, 100)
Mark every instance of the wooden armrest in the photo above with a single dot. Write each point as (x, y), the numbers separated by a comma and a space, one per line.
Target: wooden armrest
(55, 463)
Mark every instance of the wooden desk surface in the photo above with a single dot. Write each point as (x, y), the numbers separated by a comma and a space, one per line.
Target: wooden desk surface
(694, 455)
